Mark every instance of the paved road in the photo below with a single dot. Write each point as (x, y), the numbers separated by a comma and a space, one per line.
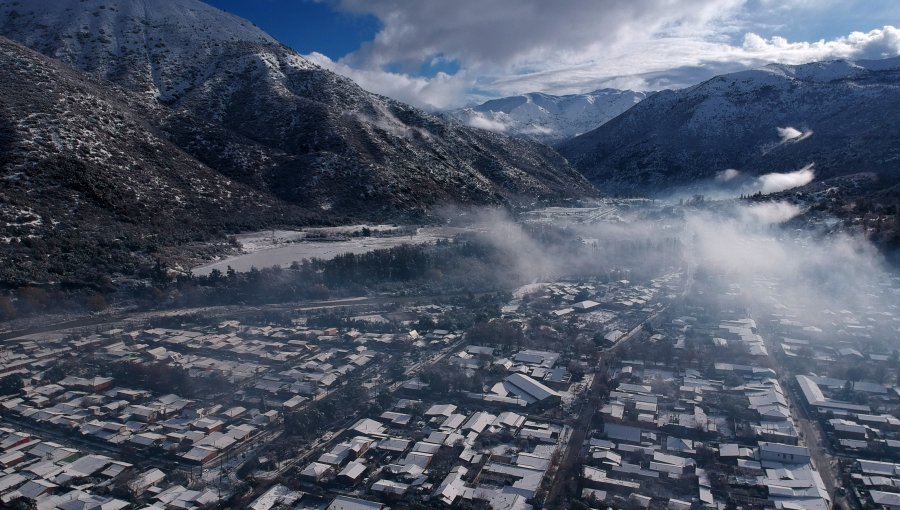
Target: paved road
(822, 460)
(119, 317)
(582, 422)
(814, 438)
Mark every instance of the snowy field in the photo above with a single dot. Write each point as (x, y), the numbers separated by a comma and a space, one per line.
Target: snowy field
(281, 247)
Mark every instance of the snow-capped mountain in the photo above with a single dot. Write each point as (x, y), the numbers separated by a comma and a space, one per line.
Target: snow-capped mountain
(258, 113)
(88, 182)
(547, 118)
(841, 116)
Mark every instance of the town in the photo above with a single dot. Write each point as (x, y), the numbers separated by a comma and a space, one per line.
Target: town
(672, 387)
(620, 393)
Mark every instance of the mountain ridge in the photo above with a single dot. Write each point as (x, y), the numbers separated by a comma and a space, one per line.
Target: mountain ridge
(87, 180)
(732, 121)
(188, 126)
(548, 118)
(304, 134)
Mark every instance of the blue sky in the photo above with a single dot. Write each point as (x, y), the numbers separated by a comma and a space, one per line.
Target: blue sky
(306, 26)
(441, 54)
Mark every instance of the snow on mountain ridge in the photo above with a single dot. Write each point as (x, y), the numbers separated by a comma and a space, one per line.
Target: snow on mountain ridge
(262, 115)
(548, 118)
(845, 111)
(166, 48)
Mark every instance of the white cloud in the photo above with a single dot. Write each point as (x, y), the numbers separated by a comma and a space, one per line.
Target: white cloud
(727, 175)
(878, 43)
(789, 133)
(507, 47)
(480, 121)
(441, 91)
(775, 182)
(519, 33)
(768, 213)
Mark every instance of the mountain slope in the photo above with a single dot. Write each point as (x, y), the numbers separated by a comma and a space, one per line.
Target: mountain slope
(547, 118)
(257, 112)
(87, 182)
(844, 117)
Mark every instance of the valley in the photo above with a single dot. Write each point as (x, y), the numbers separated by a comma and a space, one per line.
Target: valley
(344, 255)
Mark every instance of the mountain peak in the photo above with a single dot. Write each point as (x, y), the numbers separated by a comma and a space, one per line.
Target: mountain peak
(252, 109)
(732, 121)
(159, 48)
(548, 118)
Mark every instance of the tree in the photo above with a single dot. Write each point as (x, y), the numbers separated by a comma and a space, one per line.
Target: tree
(7, 309)
(34, 299)
(96, 302)
(11, 385)
(880, 374)
(855, 374)
(577, 371)
(847, 391)
(215, 276)
(496, 332)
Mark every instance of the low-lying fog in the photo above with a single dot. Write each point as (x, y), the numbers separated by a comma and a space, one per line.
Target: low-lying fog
(746, 243)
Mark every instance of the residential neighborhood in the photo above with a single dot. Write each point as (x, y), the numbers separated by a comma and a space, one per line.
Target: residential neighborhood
(667, 392)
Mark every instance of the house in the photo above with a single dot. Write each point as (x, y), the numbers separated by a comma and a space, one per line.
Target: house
(368, 426)
(848, 429)
(885, 500)
(453, 486)
(316, 471)
(94, 384)
(146, 480)
(390, 487)
(558, 378)
(530, 390)
(585, 306)
(278, 496)
(293, 403)
(353, 472)
(545, 359)
(787, 454)
(199, 455)
(441, 410)
(141, 413)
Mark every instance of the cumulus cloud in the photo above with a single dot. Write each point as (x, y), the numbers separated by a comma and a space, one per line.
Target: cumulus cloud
(789, 133)
(878, 43)
(507, 47)
(775, 182)
(769, 212)
(510, 33)
(534, 129)
(732, 183)
(438, 92)
(727, 175)
(481, 121)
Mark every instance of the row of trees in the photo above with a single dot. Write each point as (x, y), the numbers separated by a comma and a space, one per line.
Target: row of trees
(318, 416)
(466, 262)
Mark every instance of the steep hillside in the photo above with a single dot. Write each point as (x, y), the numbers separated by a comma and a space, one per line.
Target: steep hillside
(91, 188)
(257, 112)
(843, 118)
(547, 118)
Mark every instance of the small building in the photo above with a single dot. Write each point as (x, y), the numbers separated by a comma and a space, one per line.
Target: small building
(316, 471)
(787, 454)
